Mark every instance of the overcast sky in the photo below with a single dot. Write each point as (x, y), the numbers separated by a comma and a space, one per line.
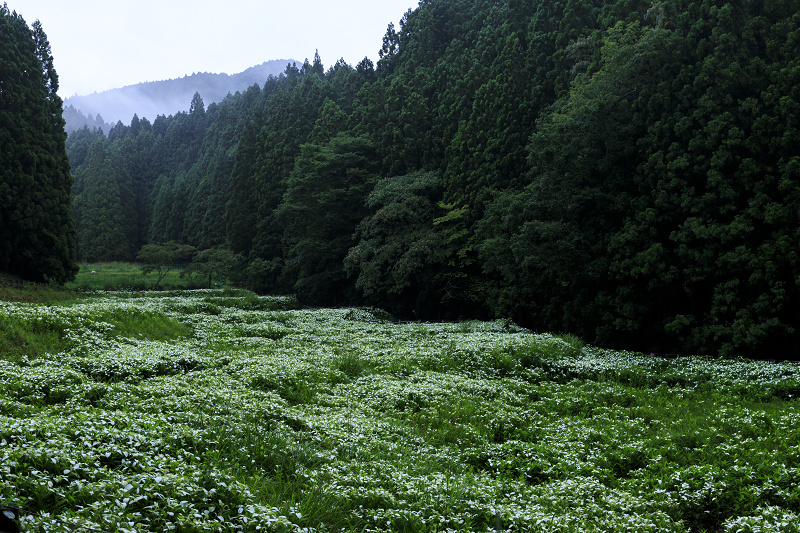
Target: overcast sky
(105, 44)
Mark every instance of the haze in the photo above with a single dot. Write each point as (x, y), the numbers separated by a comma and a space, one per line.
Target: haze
(102, 44)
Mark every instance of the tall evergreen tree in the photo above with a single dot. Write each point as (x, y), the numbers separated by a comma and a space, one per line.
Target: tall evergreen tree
(242, 208)
(103, 215)
(36, 225)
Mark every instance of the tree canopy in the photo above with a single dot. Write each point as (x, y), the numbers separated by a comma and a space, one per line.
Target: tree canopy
(164, 258)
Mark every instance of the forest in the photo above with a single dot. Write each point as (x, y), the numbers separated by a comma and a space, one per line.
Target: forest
(625, 171)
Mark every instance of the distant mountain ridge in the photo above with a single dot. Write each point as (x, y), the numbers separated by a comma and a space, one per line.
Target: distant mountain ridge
(167, 97)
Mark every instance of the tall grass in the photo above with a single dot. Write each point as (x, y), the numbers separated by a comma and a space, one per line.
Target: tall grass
(29, 335)
(29, 292)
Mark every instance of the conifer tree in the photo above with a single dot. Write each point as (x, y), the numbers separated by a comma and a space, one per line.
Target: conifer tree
(101, 217)
(37, 232)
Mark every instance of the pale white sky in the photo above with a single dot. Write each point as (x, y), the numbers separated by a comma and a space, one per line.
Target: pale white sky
(105, 44)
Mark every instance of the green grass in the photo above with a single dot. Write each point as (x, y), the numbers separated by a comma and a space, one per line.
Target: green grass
(121, 276)
(29, 333)
(34, 293)
(271, 418)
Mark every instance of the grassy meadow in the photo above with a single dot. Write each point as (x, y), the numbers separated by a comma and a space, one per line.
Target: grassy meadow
(214, 410)
(33, 293)
(116, 275)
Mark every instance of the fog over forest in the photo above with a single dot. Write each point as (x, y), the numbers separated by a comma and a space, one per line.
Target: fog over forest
(167, 97)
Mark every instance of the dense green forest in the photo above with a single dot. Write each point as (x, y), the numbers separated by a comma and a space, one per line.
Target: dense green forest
(37, 232)
(624, 170)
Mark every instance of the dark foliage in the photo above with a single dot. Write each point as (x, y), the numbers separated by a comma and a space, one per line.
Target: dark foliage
(624, 170)
(37, 232)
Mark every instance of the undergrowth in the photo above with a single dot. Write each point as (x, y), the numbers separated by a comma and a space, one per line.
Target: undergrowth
(248, 414)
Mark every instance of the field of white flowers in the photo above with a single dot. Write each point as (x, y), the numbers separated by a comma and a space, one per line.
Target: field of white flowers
(269, 418)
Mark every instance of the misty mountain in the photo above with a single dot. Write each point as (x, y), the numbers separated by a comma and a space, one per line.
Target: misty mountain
(168, 97)
(75, 120)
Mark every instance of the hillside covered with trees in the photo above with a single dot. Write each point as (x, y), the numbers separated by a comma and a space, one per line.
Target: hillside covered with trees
(624, 170)
(165, 97)
(37, 232)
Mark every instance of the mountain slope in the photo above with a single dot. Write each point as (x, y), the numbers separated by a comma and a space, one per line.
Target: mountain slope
(168, 97)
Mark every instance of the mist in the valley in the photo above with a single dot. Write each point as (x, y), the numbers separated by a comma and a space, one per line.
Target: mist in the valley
(168, 97)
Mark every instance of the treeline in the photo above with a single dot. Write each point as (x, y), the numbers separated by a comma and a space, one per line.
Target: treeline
(37, 233)
(166, 96)
(74, 119)
(623, 170)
